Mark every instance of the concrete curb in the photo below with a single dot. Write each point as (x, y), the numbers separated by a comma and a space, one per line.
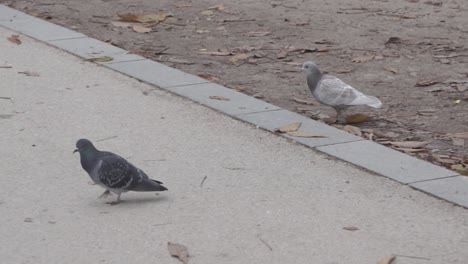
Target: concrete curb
(418, 174)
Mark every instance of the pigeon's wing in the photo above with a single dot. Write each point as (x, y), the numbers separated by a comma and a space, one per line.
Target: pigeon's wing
(116, 173)
(334, 92)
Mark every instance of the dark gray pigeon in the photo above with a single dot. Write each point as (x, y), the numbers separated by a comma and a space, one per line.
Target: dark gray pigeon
(113, 172)
(331, 91)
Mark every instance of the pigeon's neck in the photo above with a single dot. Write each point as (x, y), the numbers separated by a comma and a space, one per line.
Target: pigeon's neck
(313, 79)
(88, 158)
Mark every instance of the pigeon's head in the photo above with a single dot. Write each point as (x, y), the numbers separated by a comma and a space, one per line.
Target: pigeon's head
(83, 145)
(310, 67)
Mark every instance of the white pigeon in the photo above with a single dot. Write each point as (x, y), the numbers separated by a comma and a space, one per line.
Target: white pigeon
(331, 91)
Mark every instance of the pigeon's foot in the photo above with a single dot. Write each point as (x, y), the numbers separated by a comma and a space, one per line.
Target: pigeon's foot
(105, 194)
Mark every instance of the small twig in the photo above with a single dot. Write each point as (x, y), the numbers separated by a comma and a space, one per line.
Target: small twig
(405, 256)
(6, 67)
(162, 224)
(4, 97)
(106, 138)
(161, 51)
(203, 181)
(265, 243)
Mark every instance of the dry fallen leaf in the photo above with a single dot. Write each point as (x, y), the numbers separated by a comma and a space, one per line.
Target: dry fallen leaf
(302, 101)
(207, 13)
(178, 251)
(357, 118)
(100, 59)
(208, 77)
(462, 135)
(409, 144)
(408, 16)
(411, 150)
(424, 83)
(289, 128)
(121, 24)
(141, 29)
(283, 53)
(364, 58)
(350, 228)
(30, 73)
(299, 23)
(353, 130)
(15, 39)
(144, 18)
(217, 97)
(392, 70)
(386, 260)
(304, 134)
(460, 168)
(239, 57)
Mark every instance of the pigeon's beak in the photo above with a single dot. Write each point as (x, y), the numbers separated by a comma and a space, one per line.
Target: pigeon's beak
(76, 150)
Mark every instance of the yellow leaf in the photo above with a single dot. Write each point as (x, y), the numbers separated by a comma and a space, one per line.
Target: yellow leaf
(460, 168)
(100, 59)
(289, 128)
(353, 130)
(217, 97)
(238, 57)
(304, 134)
(458, 101)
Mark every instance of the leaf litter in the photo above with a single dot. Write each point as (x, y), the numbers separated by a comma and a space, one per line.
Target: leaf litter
(15, 39)
(178, 251)
(289, 128)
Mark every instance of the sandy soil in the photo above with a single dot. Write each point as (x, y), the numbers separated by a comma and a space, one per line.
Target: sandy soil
(382, 47)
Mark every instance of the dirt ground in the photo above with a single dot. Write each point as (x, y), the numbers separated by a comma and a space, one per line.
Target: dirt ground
(412, 54)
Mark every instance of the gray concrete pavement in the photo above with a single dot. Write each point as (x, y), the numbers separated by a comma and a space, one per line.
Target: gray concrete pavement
(258, 187)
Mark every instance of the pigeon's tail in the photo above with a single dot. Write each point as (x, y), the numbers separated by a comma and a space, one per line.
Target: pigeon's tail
(376, 102)
(148, 185)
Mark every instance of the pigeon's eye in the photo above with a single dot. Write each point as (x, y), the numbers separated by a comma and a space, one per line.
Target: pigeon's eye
(307, 67)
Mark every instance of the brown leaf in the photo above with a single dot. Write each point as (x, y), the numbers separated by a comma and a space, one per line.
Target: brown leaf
(392, 70)
(121, 24)
(463, 135)
(215, 53)
(304, 134)
(182, 4)
(216, 7)
(302, 101)
(353, 130)
(144, 18)
(208, 77)
(460, 168)
(411, 150)
(412, 1)
(289, 128)
(393, 40)
(350, 228)
(357, 118)
(409, 144)
(141, 29)
(239, 57)
(178, 251)
(283, 53)
(217, 97)
(257, 33)
(15, 39)
(100, 59)
(386, 260)
(364, 58)
(424, 83)
(30, 73)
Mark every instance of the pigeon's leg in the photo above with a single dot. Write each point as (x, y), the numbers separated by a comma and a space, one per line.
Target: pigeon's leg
(105, 194)
(116, 201)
